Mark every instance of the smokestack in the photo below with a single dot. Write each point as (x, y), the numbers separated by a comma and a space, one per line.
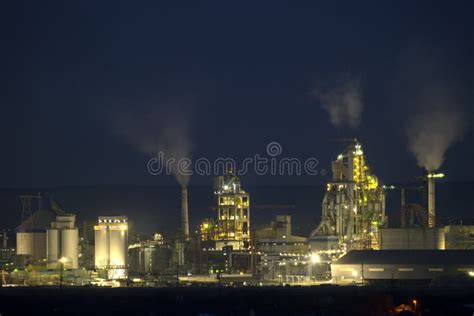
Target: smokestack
(184, 214)
(430, 178)
(431, 201)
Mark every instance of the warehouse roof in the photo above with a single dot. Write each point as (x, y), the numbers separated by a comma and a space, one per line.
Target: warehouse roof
(461, 257)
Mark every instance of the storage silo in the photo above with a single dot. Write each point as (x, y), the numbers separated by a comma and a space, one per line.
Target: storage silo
(111, 245)
(63, 242)
(52, 246)
(69, 247)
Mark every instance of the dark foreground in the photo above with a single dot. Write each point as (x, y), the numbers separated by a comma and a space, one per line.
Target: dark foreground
(317, 300)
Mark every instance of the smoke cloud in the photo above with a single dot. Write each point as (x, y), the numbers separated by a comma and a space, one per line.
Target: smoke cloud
(163, 129)
(342, 101)
(437, 123)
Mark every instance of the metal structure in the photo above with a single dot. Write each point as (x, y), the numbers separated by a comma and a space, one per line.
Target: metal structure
(353, 208)
(414, 215)
(27, 207)
(232, 227)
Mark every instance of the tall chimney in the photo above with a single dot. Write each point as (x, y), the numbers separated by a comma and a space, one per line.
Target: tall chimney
(184, 214)
(431, 200)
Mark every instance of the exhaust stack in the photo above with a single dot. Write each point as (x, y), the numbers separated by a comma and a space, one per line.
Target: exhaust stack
(431, 176)
(184, 214)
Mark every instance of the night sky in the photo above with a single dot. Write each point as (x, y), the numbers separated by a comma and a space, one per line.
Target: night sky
(246, 72)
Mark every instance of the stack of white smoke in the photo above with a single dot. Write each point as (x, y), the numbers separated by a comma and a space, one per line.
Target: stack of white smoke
(166, 131)
(430, 133)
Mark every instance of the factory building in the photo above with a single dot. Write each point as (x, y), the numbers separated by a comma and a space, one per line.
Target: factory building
(62, 243)
(401, 265)
(353, 207)
(111, 244)
(412, 238)
(232, 227)
(278, 238)
(149, 257)
(31, 234)
(459, 236)
(6, 250)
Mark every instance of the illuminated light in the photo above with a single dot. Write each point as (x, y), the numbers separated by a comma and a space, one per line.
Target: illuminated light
(354, 273)
(435, 175)
(315, 258)
(471, 273)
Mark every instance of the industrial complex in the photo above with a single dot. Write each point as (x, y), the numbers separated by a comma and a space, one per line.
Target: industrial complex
(352, 243)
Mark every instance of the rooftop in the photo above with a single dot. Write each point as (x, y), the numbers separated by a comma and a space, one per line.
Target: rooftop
(462, 257)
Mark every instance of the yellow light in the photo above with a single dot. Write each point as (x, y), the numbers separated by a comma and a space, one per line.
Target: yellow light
(354, 273)
(63, 260)
(471, 274)
(436, 175)
(315, 258)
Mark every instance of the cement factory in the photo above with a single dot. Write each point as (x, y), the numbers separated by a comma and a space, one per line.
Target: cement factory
(353, 243)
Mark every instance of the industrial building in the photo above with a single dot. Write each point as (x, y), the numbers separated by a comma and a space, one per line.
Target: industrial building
(7, 251)
(401, 265)
(232, 227)
(111, 244)
(278, 238)
(412, 238)
(31, 233)
(459, 236)
(149, 257)
(353, 207)
(62, 243)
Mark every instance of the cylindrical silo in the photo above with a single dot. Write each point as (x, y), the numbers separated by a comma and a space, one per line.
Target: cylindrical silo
(69, 245)
(52, 247)
(118, 247)
(101, 236)
(24, 243)
(118, 252)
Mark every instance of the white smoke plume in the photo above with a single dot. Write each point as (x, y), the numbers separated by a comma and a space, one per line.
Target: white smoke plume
(342, 101)
(163, 129)
(438, 122)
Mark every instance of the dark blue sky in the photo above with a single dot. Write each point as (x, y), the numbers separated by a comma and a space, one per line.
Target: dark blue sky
(247, 70)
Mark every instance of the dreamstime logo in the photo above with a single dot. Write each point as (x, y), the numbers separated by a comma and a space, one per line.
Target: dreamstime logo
(269, 164)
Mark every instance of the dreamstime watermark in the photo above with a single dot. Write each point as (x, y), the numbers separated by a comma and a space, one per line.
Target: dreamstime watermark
(269, 164)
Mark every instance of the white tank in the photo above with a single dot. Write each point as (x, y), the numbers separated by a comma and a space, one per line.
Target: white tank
(69, 245)
(32, 244)
(118, 247)
(62, 243)
(101, 248)
(52, 247)
(24, 243)
(111, 245)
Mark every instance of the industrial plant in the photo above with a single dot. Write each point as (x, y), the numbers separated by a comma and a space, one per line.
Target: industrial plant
(353, 243)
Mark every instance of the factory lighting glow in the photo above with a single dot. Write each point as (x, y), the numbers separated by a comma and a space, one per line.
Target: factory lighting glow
(315, 258)
(435, 175)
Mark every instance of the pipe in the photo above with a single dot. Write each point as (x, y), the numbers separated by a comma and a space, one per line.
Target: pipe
(184, 214)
